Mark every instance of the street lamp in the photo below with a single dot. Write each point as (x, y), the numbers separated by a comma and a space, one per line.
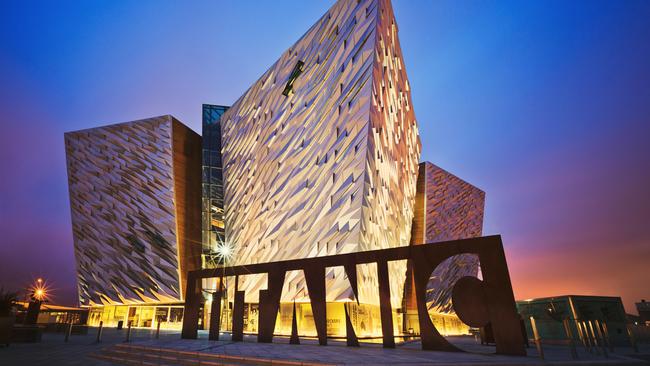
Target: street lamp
(39, 294)
(39, 290)
(224, 252)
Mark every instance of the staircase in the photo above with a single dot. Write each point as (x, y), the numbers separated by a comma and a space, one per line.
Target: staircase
(127, 354)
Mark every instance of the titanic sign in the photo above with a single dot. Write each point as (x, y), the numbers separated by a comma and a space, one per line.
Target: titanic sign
(476, 302)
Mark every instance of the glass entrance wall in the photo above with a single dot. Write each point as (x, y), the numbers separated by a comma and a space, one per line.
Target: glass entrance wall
(146, 316)
(140, 316)
(365, 318)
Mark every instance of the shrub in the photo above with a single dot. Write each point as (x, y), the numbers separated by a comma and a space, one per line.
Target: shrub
(7, 301)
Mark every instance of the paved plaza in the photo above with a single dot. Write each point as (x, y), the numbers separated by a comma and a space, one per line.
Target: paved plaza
(83, 350)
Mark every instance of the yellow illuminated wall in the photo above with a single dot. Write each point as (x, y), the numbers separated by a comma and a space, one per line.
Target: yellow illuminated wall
(141, 316)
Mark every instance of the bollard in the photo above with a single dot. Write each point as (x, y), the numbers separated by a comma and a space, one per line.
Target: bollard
(68, 331)
(606, 332)
(580, 334)
(587, 337)
(594, 337)
(632, 339)
(99, 331)
(604, 342)
(158, 331)
(537, 339)
(128, 333)
(599, 336)
(569, 335)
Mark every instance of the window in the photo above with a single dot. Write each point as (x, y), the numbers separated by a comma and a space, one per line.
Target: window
(297, 70)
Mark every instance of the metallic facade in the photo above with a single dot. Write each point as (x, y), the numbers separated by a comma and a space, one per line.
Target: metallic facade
(446, 208)
(320, 154)
(212, 220)
(135, 204)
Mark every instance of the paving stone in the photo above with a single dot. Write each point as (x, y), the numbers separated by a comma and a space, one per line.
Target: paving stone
(54, 351)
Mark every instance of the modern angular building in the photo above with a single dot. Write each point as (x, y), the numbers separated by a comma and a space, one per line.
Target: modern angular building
(135, 195)
(321, 153)
(446, 208)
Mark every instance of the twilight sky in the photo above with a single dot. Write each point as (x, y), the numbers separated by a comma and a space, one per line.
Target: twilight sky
(545, 105)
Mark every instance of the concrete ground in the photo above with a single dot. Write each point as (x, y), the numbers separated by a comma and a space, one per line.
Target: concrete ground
(54, 351)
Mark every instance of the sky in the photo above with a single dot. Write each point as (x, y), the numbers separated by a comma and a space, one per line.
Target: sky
(545, 105)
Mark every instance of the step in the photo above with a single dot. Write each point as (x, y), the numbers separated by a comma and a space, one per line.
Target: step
(148, 360)
(129, 354)
(189, 357)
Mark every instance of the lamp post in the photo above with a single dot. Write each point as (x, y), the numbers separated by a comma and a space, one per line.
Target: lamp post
(225, 253)
(38, 296)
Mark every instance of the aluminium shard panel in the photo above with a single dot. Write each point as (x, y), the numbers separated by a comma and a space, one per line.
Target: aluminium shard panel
(446, 208)
(320, 154)
(135, 204)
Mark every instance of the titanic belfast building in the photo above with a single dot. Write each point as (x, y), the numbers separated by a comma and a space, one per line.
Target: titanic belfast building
(320, 156)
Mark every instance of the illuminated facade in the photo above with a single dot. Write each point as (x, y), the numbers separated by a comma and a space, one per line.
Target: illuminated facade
(135, 196)
(446, 208)
(320, 154)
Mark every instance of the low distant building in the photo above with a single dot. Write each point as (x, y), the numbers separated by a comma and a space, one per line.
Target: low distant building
(549, 312)
(633, 319)
(51, 314)
(643, 308)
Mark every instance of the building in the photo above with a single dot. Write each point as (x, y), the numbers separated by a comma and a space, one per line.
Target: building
(446, 208)
(643, 308)
(549, 312)
(320, 157)
(135, 195)
(53, 316)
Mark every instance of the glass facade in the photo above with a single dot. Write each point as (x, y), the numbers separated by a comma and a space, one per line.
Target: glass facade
(139, 316)
(212, 216)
